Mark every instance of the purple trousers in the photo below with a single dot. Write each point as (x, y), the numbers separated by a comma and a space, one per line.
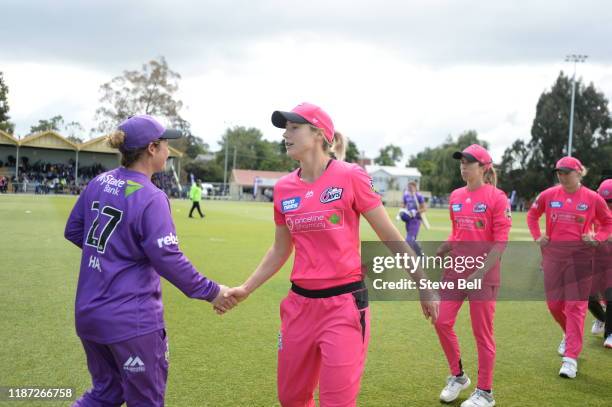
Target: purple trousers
(412, 230)
(133, 372)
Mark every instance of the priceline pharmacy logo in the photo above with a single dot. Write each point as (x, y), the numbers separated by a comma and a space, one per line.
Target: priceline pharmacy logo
(315, 221)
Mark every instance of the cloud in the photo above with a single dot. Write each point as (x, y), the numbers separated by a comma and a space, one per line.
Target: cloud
(115, 34)
(409, 73)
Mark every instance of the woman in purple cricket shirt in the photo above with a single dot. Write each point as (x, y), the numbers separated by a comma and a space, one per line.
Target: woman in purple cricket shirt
(123, 225)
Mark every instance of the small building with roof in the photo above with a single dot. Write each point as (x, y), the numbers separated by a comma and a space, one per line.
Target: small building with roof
(253, 184)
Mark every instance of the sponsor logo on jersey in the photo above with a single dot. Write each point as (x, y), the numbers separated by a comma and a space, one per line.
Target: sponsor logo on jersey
(556, 204)
(331, 194)
(457, 207)
(167, 240)
(582, 207)
(111, 184)
(309, 194)
(290, 204)
(480, 208)
(567, 217)
(134, 365)
(469, 223)
(315, 221)
(132, 186)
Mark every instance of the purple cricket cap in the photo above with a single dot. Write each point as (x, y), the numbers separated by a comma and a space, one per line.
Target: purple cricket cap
(142, 129)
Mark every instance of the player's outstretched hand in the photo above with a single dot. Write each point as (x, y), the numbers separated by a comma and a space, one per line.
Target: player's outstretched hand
(589, 239)
(240, 293)
(222, 302)
(430, 304)
(234, 295)
(443, 249)
(542, 240)
(431, 309)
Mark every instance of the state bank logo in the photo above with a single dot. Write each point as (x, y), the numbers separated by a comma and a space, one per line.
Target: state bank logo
(315, 221)
(331, 194)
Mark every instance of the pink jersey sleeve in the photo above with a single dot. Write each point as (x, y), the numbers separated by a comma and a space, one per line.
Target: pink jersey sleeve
(533, 216)
(603, 216)
(502, 218)
(365, 197)
(451, 236)
(279, 218)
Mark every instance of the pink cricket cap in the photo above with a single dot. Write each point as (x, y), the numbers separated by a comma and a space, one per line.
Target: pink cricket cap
(605, 189)
(306, 113)
(568, 164)
(475, 153)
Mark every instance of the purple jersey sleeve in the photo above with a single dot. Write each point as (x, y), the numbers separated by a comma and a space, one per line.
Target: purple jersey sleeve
(160, 243)
(74, 230)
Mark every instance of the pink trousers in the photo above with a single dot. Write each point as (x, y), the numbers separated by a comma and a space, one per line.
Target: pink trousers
(482, 313)
(322, 341)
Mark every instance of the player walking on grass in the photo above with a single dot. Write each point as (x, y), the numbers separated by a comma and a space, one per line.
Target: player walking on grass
(481, 221)
(567, 258)
(325, 318)
(195, 194)
(123, 225)
(602, 282)
(414, 206)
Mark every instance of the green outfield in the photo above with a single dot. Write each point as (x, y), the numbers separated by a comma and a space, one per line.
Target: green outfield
(231, 360)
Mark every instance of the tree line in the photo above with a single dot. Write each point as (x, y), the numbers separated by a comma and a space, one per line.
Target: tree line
(525, 166)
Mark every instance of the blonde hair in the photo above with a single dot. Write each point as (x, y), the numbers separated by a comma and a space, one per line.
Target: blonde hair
(490, 176)
(337, 148)
(128, 157)
(116, 139)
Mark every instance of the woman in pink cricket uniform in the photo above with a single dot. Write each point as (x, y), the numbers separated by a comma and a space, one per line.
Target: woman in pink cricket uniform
(481, 220)
(571, 210)
(603, 268)
(325, 319)
(602, 278)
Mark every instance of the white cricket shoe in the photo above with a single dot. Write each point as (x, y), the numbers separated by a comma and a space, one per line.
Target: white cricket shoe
(561, 348)
(569, 368)
(598, 327)
(608, 342)
(479, 398)
(454, 386)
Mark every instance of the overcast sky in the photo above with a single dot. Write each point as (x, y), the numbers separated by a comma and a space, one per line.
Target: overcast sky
(402, 72)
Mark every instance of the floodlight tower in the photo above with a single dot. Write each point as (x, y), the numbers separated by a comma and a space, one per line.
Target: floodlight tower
(575, 58)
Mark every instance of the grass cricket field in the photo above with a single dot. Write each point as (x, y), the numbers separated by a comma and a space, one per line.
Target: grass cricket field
(231, 360)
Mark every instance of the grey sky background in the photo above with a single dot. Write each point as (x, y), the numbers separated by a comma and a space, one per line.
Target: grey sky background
(403, 72)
